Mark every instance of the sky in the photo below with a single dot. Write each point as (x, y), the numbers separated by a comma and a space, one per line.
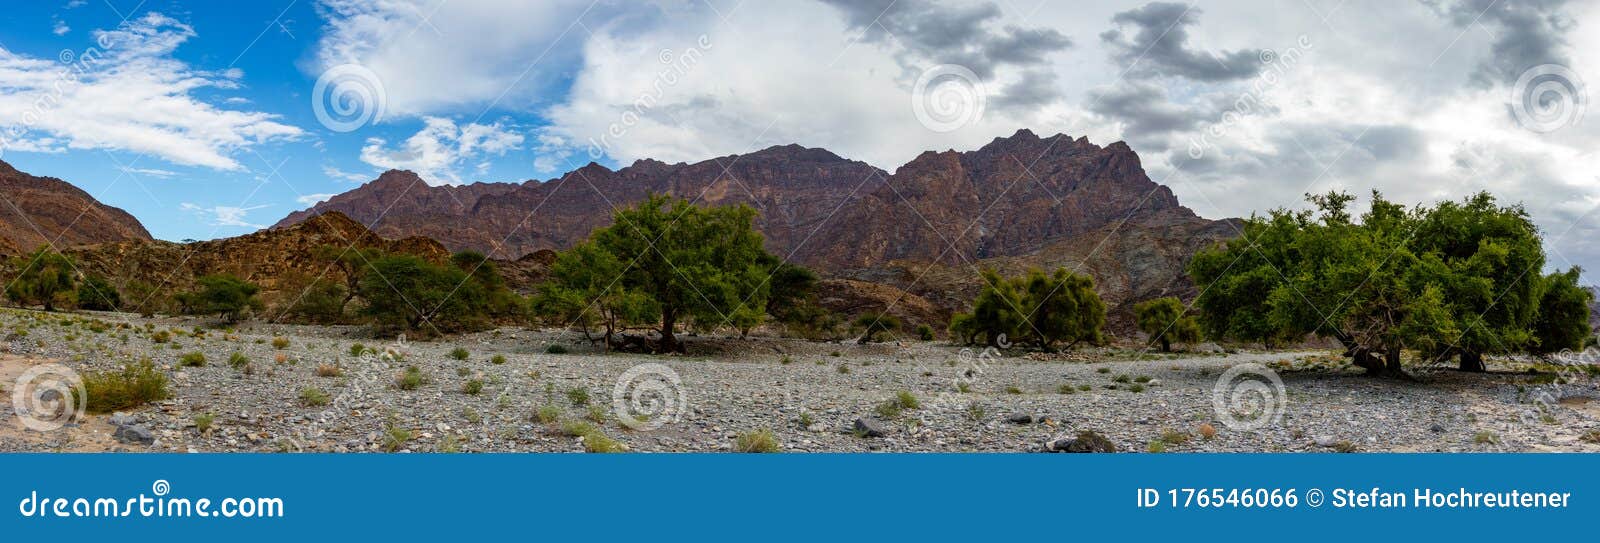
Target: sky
(214, 119)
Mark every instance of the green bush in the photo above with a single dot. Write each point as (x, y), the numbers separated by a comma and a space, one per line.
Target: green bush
(758, 441)
(497, 359)
(473, 387)
(411, 379)
(313, 397)
(134, 385)
(238, 360)
(459, 353)
(194, 359)
(556, 348)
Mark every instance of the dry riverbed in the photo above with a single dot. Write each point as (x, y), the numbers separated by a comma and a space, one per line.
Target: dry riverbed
(809, 395)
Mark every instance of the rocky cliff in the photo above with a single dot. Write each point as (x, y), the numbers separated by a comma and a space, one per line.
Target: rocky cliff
(37, 211)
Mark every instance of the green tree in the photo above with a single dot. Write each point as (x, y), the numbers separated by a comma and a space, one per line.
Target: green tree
(352, 265)
(1563, 319)
(1037, 308)
(1165, 321)
(97, 294)
(583, 289)
(499, 300)
(704, 264)
(224, 295)
(47, 278)
(322, 301)
(872, 324)
(408, 292)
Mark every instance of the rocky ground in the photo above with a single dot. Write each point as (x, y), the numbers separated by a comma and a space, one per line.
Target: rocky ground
(809, 395)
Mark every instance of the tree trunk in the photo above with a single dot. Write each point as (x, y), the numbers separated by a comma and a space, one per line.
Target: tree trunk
(1166, 345)
(1472, 361)
(669, 343)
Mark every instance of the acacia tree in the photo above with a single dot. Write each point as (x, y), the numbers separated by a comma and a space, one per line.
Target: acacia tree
(224, 295)
(689, 262)
(408, 291)
(873, 324)
(1035, 308)
(583, 289)
(1163, 319)
(47, 278)
(97, 294)
(1563, 319)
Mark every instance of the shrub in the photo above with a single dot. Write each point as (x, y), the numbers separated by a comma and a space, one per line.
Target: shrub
(329, 370)
(358, 349)
(395, 437)
(547, 414)
(576, 428)
(597, 442)
(907, 400)
(579, 396)
(411, 379)
(161, 336)
(134, 385)
(556, 348)
(280, 342)
(1066, 389)
(1156, 446)
(1037, 308)
(924, 332)
(224, 295)
(1013, 390)
(203, 421)
(758, 441)
(194, 359)
(473, 387)
(497, 359)
(1207, 431)
(459, 353)
(1163, 319)
(47, 278)
(1174, 437)
(238, 360)
(873, 324)
(843, 368)
(313, 397)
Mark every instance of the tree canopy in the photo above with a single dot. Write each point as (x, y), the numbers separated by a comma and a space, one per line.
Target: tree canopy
(224, 295)
(1034, 308)
(1165, 321)
(46, 278)
(1455, 279)
(667, 260)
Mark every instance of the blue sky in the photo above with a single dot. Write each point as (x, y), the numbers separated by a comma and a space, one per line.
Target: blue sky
(200, 118)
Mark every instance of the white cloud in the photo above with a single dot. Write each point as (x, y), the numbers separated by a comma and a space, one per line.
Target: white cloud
(342, 175)
(128, 93)
(225, 216)
(440, 148)
(312, 199)
(60, 28)
(458, 56)
(151, 172)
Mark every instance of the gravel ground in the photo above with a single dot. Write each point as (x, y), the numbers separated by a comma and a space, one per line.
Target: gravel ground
(808, 394)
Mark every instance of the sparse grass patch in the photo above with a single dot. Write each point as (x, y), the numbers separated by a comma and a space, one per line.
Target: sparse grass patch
(963, 387)
(975, 412)
(194, 359)
(411, 379)
(1122, 379)
(805, 420)
(843, 369)
(313, 397)
(1136, 387)
(1345, 446)
(358, 349)
(1066, 389)
(395, 437)
(497, 359)
(238, 360)
(134, 385)
(556, 348)
(1013, 389)
(1085, 388)
(161, 336)
(579, 396)
(473, 387)
(547, 414)
(1142, 379)
(598, 442)
(597, 414)
(203, 421)
(280, 342)
(329, 370)
(907, 400)
(1485, 438)
(1591, 436)
(1102, 370)
(758, 441)
(1156, 446)
(785, 360)
(459, 353)
(1174, 437)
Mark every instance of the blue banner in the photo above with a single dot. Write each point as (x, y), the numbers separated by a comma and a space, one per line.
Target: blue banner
(935, 497)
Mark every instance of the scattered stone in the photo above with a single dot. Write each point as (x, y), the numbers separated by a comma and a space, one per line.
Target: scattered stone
(1325, 441)
(135, 433)
(1020, 418)
(870, 427)
(1087, 442)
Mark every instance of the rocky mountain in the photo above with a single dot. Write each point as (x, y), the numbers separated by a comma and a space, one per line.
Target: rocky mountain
(923, 230)
(282, 261)
(36, 211)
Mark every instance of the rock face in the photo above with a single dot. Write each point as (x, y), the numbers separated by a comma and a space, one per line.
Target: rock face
(44, 210)
(1018, 202)
(281, 261)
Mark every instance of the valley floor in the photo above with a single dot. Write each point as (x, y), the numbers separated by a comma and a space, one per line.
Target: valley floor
(808, 394)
